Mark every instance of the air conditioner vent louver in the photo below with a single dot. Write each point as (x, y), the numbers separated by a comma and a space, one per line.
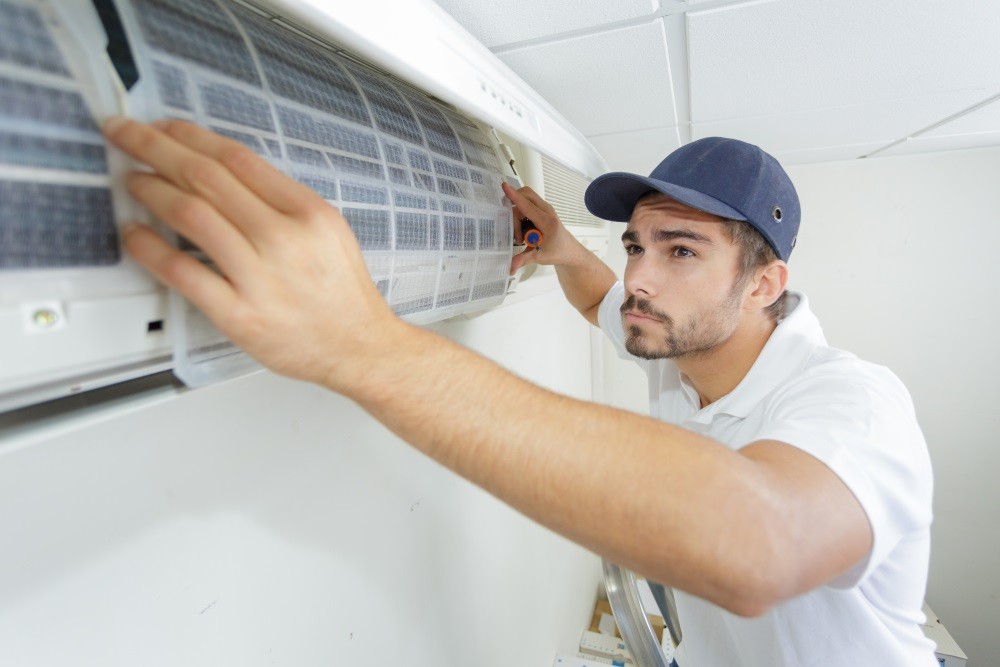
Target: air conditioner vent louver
(564, 190)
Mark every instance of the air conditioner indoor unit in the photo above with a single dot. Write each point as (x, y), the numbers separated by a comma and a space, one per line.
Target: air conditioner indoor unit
(389, 110)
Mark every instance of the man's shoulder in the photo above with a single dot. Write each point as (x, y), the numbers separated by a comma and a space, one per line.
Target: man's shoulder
(840, 378)
(823, 367)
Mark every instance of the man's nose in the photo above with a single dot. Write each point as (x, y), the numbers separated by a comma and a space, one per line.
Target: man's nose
(640, 279)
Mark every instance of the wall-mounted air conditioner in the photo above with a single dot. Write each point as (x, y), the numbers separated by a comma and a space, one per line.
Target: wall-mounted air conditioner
(388, 109)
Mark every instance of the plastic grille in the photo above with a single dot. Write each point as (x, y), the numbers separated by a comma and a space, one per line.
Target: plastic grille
(391, 113)
(236, 106)
(362, 193)
(370, 226)
(324, 187)
(47, 153)
(173, 86)
(248, 140)
(299, 125)
(26, 41)
(199, 32)
(299, 71)
(412, 231)
(41, 104)
(305, 155)
(417, 182)
(55, 226)
(55, 203)
(440, 137)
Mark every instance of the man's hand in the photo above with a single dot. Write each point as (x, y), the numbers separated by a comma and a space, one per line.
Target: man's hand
(559, 247)
(294, 291)
(584, 278)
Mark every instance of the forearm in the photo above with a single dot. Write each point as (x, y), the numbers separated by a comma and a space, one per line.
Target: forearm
(585, 280)
(660, 500)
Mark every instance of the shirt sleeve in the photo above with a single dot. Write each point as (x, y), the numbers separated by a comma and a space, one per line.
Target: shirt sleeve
(860, 422)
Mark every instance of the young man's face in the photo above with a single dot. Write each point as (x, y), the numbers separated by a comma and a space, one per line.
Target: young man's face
(681, 296)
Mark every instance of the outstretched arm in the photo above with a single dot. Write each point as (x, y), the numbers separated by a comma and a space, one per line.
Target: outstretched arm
(744, 530)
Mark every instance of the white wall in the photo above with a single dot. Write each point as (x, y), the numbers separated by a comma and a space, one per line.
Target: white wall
(899, 259)
(263, 521)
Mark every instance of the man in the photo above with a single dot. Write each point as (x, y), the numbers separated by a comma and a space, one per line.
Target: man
(791, 511)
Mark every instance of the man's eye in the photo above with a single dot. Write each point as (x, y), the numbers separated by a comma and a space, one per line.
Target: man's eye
(681, 251)
(633, 250)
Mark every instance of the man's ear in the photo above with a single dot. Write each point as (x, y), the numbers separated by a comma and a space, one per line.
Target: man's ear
(768, 285)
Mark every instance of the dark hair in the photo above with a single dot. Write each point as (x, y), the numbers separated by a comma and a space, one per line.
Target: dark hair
(755, 252)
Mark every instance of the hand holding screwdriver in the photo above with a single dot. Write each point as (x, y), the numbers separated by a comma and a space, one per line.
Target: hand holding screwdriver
(536, 221)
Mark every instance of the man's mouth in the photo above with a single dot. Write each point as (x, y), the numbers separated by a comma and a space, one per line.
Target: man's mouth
(640, 311)
(637, 317)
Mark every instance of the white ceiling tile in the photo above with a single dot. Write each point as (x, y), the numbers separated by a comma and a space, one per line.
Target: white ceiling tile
(828, 154)
(949, 143)
(496, 22)
(636, 152)
(861, 128)
(608, 82)
(979, 128)
(986, 119)
(790, 55)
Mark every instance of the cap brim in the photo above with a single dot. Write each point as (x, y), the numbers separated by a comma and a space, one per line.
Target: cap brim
(613, 197)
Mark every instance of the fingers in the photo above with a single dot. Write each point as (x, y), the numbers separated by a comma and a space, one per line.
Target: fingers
(519, 221)
(193, 172)
(207, 290)
(196, 220)
(257, 174)
(528, 203)
(522, 259)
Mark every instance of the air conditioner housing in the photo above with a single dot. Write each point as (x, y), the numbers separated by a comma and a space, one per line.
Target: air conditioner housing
(390, 110)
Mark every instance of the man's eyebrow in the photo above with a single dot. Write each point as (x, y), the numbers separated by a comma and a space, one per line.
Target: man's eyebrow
(662, 235)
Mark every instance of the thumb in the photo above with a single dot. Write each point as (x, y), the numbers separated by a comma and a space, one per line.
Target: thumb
(522, 259)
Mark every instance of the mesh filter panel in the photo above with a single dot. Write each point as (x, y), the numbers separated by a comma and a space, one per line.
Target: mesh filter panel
(173, 86)
(26, 41)
(236, 106)
(362, 193)
(299, 125)
(248, 140)
(47, 226)
(199, 32)
(412, 231)
(304, 155)
(47, 153)
(370, 226)
(325, 187)
(300, 71)
(44, 105)
(391, 113)
(440, 137)
(371, 146)
(49, 146)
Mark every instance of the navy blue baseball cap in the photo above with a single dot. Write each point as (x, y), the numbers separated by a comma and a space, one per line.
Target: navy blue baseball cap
(724, 177)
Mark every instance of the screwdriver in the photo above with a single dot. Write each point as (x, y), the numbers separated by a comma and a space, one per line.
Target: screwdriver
(532, 237)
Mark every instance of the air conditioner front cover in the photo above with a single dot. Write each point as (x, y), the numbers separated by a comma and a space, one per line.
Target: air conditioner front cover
(417, 181)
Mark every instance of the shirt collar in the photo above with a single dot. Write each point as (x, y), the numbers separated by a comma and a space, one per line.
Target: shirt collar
(786, 352)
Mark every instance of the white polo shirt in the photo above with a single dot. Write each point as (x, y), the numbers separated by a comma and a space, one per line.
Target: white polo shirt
(858, 419)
